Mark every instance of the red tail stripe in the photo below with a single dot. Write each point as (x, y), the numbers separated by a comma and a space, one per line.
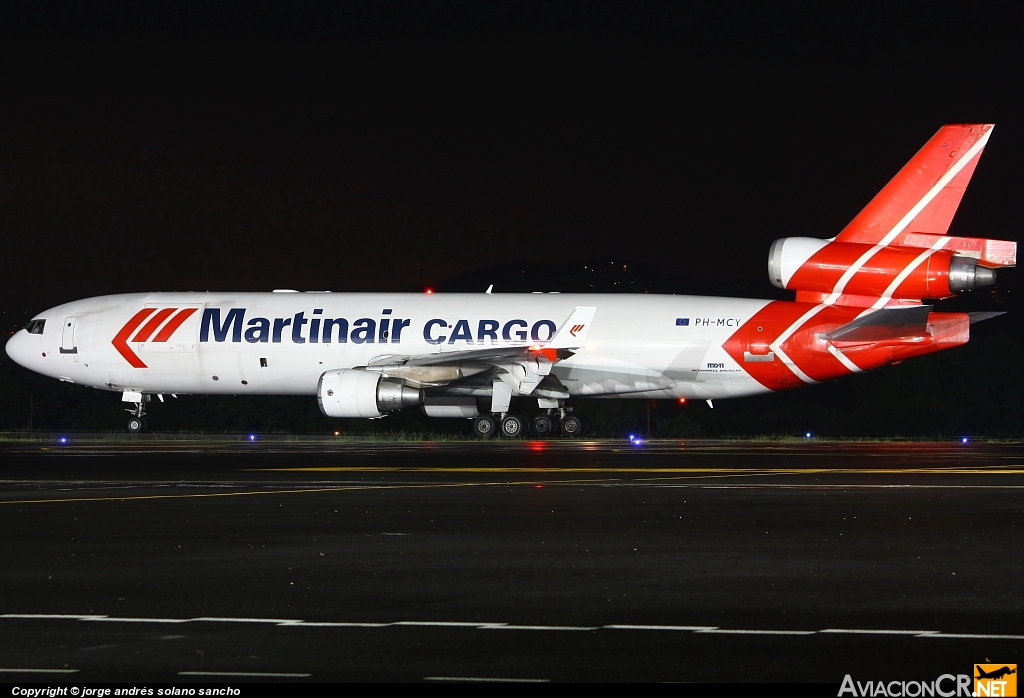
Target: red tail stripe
(173, 324)
(120, 340)
(150, 327)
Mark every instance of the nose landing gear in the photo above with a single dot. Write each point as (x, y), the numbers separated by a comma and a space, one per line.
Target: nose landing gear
(137, 411)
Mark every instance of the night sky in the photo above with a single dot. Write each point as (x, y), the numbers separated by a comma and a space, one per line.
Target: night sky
(381, 146)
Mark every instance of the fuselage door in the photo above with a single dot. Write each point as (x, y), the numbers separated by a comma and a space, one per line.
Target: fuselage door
(67, 336)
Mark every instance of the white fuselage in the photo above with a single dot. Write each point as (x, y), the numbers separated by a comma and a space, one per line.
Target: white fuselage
(282, 343)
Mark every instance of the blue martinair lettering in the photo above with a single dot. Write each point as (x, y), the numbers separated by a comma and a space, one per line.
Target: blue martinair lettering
(396, 329)
(314, 327)
(535, 332)
(342, 325)
(506, 332)
(461, 331)
(279, 324)
(300, 320)
(211, 318)
(387, 330)
(362, 331)
(428, 331)
(488, 329)
(259, 330)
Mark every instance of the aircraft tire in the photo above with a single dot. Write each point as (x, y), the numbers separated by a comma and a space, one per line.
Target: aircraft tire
(514, 426)
(136, 425)
(544, 426)
(574, 426)
(485, 426)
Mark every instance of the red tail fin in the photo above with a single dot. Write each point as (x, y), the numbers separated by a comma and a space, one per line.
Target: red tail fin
(924, 195)
(896, 250)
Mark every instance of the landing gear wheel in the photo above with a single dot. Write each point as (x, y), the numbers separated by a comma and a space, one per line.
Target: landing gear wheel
(484, 426)
(544, 426)
(574, 426)
(514, 426)
(136, 425)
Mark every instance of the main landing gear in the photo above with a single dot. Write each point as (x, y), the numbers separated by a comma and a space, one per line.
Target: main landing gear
(514, 426)
(484, 426)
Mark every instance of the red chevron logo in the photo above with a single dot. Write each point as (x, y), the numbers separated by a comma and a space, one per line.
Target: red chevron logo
(575, 329)
(120, 340)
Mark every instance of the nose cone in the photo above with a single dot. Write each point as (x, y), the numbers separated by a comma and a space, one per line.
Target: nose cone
(16, 348)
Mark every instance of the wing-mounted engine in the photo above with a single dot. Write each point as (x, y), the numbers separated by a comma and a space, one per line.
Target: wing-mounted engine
(346, 392)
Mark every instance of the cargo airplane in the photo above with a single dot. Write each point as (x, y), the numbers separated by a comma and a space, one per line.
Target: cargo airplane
(859, 304)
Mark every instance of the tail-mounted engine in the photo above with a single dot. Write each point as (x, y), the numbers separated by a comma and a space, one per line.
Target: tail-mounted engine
(941, 269)
(346, 392)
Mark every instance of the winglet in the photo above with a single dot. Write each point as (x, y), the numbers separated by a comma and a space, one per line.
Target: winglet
(573, 332)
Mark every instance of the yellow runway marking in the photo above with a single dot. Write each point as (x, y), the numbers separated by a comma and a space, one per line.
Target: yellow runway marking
(343, 488)
(984, 470)
(665, 474)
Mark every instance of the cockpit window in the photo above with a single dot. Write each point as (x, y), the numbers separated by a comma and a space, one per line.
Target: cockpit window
(35, 326)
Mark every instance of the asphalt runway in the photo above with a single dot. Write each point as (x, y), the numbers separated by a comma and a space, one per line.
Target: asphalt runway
(319, 560)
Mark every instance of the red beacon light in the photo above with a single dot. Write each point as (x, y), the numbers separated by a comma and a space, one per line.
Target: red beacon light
(682, 401)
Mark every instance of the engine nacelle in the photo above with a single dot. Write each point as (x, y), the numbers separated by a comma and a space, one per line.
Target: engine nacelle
(451, 407)
(345, 392)
(809, 264)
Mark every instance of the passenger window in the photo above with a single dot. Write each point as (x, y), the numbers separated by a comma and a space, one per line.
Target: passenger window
(35, 326)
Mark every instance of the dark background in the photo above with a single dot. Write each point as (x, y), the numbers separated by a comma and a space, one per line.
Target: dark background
(394, 146)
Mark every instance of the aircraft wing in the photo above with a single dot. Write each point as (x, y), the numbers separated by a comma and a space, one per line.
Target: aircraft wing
(485, 356)
(571, 335)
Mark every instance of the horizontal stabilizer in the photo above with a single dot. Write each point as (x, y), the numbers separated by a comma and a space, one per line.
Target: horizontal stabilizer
(989, 253)
(982, 316)
(573, 331)
(887, 323)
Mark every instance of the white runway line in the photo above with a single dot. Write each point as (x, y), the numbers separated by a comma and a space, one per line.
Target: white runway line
(737, 631)
(38, 671)
(534, 627)
(677, 628)
(254, 674)
(855, 631)
(59, 616)
(110, 619)
(696, 629)
(482, 679)
(215, 619)
(329, 624)
(975, 636)
(447, 624)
